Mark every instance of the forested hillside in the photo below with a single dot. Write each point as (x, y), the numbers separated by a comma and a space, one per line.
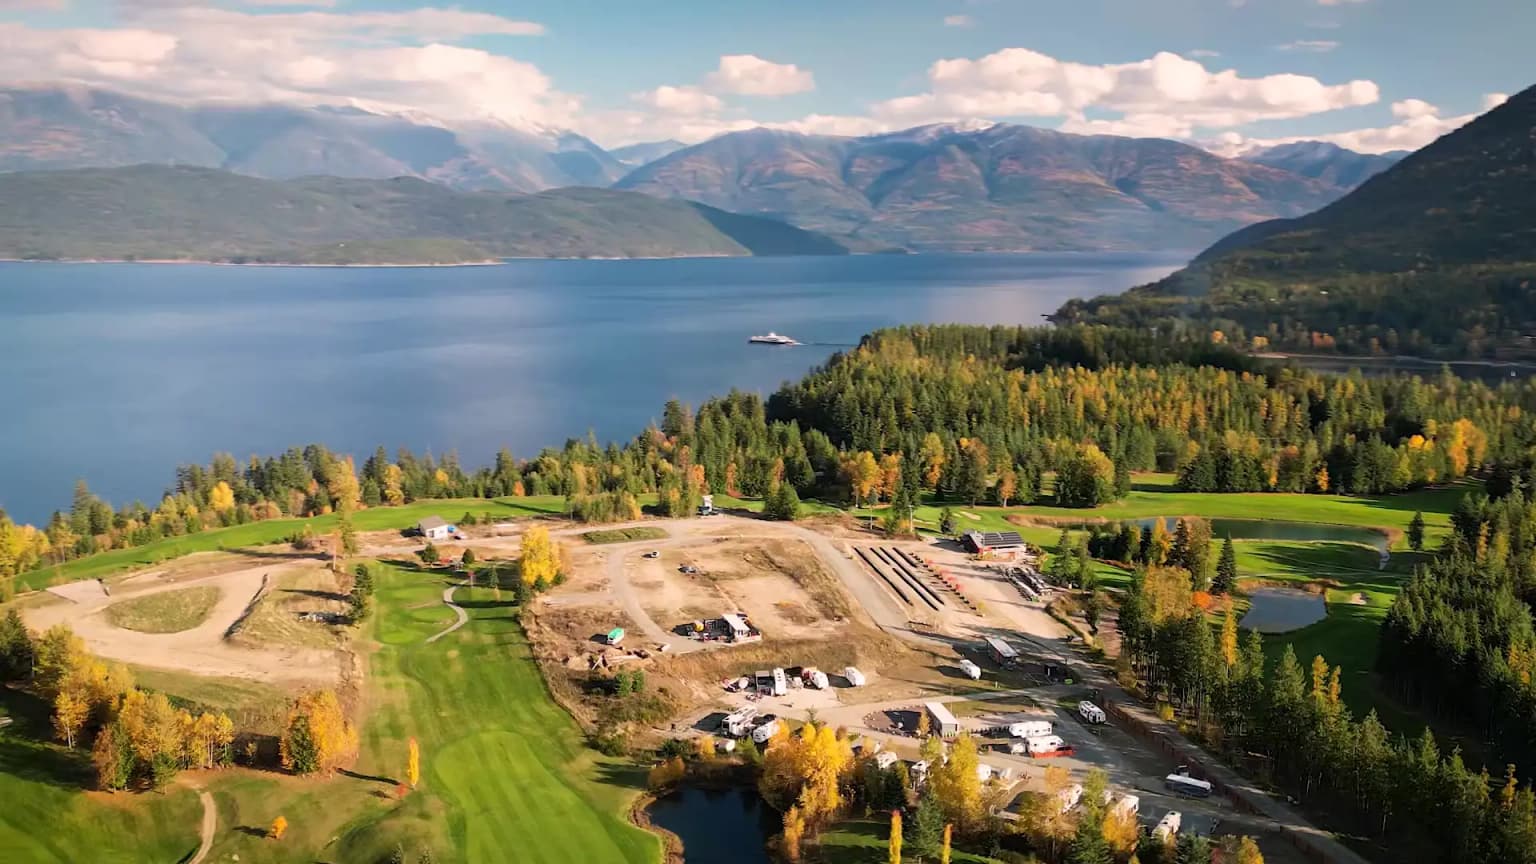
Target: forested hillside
(1433, 256)
(151, 212)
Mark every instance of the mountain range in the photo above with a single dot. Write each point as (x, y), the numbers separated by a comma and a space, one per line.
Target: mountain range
(1435, 256)
(158, 212)
(933, 188)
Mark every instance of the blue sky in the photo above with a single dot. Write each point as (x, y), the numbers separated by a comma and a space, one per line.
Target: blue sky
(1373, 74)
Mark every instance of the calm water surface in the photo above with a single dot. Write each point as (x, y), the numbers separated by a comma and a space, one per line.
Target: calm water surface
(120, 372)
(718, 826)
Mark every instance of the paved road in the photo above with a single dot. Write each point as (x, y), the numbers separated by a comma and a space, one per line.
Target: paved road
(458, 610)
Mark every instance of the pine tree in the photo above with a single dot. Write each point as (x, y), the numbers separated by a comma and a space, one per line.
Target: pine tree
(1226, 570)
(927, 824)
(1416, 532)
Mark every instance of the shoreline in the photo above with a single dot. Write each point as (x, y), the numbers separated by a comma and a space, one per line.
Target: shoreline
(489, 262)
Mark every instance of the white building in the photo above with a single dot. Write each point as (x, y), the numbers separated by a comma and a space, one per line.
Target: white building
(434, 528)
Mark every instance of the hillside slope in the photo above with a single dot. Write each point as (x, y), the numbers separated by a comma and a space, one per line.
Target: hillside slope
(1002, 188)
(184, 213)
(1327, 162)
(1434, 256)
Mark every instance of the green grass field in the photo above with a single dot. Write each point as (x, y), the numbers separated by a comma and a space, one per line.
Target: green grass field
(624, 535)
(865, 841)
(165, 611)
(502, 764)
(277, 530)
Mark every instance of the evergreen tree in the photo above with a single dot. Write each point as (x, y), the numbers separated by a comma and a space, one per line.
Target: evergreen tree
(947, 522)
(1416, 532)
(1226, 569)
(928, 825)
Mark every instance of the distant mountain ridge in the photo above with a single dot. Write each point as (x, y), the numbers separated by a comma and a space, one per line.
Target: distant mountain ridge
(155, 212)
(1325, 161)
(995, 188)
(62, 127)
(1435, 256)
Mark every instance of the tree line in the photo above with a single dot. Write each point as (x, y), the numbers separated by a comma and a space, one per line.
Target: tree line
(955, 413)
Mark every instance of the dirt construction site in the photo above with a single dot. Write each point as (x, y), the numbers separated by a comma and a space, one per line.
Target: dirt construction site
(706, 607)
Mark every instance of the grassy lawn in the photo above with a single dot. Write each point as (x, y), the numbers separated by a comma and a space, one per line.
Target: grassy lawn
(275, 620)
(165, 611)
(277, 530)
(45, 819)
(865, 841)
(624, 535)
(502, 765)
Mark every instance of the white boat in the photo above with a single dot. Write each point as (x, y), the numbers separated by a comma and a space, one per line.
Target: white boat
(772, 338)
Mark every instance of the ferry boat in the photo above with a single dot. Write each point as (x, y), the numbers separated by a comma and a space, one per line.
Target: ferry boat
(772, 338)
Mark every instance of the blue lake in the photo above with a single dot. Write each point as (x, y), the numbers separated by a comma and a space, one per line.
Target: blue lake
(120, 372)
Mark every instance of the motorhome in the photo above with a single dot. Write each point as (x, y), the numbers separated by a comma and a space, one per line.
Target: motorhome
(817, 679)
(1030, 729)
(1183, 784)
(780, 683)
(761, 734)
(1046, 745)
(1168, 825)
(739, 722)
(854, 676)
(1090, 712)
(1129, 804)
(971, 670)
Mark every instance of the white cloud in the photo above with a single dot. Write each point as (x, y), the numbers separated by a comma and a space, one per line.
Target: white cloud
(750, 75)
(1202, 53)
(959, 21)
(1310, 46)
(1418, 123)
(687, 100)
(1340, 2)
(401, 61)
(33, 5)
(1494, 100)
(1164, 95)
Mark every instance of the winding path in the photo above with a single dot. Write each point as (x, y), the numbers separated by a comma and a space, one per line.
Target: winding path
(210, 825)
(457, 609)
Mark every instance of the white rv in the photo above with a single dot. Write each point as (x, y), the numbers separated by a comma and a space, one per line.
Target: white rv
(817, 679)
(780, 683)
(971, 670)
(1090, 712)
(1030, 729)
(1130, 804)
(1168, 825)
(885, 760)
(1044, 744)
(1184, 784)
(854, 676)
(761, 734)
(739, 722)
(1070, 796)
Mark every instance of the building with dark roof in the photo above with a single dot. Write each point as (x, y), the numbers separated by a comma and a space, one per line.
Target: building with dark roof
(984, 541)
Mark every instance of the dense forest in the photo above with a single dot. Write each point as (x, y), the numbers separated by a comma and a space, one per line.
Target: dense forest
(967, 414)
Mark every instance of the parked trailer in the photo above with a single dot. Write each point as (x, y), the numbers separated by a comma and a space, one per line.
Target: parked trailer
(761, 734)
(1047, 746)
(971, 670)
(780, 683)
(1128, 804)
(1090, 712)
(817, 679)
(1002, 652)
(739, 722)
(854, 676)
(1183, 784)
(1030, 728)
(1168, 825)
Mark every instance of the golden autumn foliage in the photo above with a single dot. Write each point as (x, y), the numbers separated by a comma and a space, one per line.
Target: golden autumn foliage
(893, 848)
(956, 785)
(318, 738)
(278, 829)
(69, 715)
(794, 834)
(221, 498)
(413, 763)
(666, 774)
(807, 769)
(539, 562)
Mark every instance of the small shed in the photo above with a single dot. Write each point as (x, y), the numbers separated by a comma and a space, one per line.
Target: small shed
(984, 541)
(434, 528)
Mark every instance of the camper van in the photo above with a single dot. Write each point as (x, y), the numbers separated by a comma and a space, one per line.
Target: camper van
(971, 670)
(1183, 784)
(1046, 745)
(1070, 796)
(854, 676)
(739, 722)
(780, 683)
(761, 734)
(817, 679)
(1129, 804)
(1030, 729)
(1168, 825)
(1090, 712)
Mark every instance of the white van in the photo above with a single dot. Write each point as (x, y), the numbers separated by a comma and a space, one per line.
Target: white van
(1090, 712)
(1030, 729)
(971, 670)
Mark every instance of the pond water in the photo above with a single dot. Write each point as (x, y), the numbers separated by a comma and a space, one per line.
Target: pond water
(1281, 610)
(1267, 529)
(718, 826)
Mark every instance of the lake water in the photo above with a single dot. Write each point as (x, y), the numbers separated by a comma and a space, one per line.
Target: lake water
(718, 826)
(117, 373)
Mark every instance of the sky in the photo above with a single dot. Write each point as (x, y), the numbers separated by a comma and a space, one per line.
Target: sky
(1231, 75)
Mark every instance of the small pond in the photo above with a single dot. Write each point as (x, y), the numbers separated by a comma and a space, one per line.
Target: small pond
(718, 826)
(1281, 610)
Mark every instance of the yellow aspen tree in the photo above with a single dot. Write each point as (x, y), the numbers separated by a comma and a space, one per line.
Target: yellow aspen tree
(413, 763)
(221, 498)
(794, 833)
(1229, 651)
(278, 829)
(894, 849)
(69, 713)
(949, 830)
(540, 561)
